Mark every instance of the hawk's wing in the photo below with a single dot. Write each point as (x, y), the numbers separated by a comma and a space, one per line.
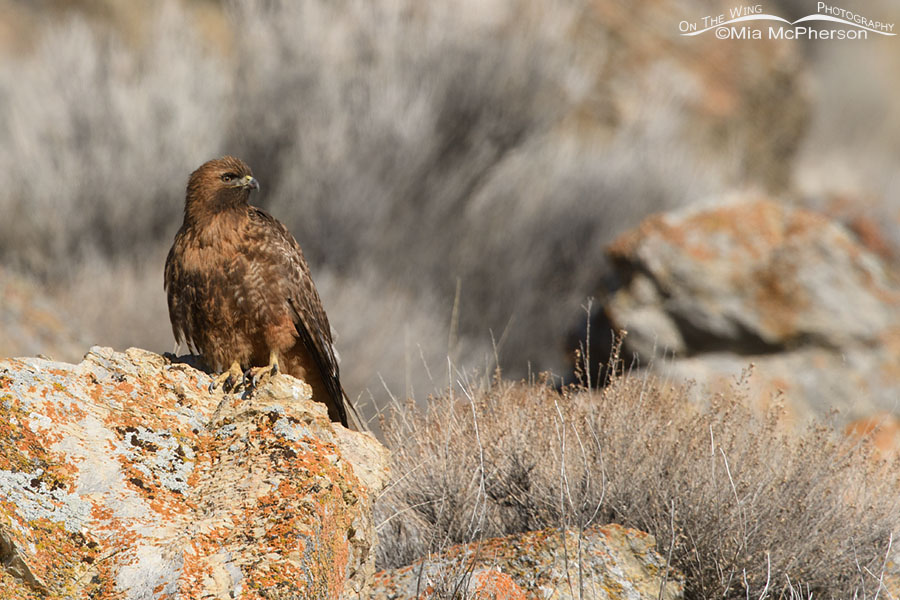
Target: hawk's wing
(179, 295)
(309, 316)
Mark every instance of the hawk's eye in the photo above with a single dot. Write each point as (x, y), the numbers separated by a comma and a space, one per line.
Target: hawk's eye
(228, 177)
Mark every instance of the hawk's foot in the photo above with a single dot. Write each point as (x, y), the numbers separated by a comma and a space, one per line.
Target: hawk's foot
(256, 375)
(232, 379)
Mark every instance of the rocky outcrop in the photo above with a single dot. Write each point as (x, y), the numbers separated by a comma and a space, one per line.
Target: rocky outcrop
(709, 290)
(122, 477)
(610, 562)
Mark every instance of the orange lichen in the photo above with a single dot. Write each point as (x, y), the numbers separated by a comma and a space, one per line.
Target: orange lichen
(25, 449)
(500, 569)
(280, 522)
(58, 559)
(306, 497)
(495, 585)
(299, 522)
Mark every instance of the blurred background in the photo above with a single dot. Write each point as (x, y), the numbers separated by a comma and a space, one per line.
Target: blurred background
(452, 170)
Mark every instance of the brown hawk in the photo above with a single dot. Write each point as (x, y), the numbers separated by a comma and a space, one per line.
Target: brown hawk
(240, 291)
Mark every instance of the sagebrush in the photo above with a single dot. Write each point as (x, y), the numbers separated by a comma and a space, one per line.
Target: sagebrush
(746, 506)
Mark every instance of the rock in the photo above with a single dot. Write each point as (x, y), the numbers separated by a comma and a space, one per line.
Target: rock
(616, 563)
(123, 477)
(709, 290)
(880, 431)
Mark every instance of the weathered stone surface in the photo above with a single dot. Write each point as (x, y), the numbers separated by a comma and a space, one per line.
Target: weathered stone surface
(708, 291)
(754, 272)
(122, 477)
(615, 563)
(881, 431)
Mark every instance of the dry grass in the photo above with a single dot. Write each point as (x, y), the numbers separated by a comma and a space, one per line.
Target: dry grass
(747, 508)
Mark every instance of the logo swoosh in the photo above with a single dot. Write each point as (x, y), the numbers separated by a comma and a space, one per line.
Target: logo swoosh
(767, 17)
(739, 20)
(839, 20)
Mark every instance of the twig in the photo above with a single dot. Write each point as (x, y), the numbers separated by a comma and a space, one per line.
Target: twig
(665, 578)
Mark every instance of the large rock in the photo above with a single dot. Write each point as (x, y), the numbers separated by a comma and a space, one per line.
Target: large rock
(709, 290)
(610, 562)
(122, 477)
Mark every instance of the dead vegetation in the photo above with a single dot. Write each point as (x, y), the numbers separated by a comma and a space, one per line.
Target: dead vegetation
(744, 506)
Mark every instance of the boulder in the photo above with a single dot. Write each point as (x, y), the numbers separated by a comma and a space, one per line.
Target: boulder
(608, 562)
(707, 291)
(123, 477)
(881, 432)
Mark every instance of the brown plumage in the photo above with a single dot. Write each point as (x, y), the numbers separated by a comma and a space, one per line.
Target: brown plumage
(240, 292)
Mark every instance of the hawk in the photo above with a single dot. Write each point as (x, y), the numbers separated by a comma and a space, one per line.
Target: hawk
(240, 292)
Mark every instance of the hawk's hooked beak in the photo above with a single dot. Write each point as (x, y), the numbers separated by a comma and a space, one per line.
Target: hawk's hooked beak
(248, 181)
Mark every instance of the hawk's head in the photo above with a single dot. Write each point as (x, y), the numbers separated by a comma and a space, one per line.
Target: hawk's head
(219, 184)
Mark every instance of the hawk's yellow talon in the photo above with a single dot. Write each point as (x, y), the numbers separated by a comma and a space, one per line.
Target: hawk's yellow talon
(229, 380)
(256, 375)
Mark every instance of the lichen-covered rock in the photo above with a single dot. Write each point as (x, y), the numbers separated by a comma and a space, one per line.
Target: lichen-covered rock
(753, 273)
(122, 477)
(709, 290)
(610, 562)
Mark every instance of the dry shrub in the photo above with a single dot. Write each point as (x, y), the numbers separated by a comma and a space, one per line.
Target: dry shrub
(747, 507)
(99, 139)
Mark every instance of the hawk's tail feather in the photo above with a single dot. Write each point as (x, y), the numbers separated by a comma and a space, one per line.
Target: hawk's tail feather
(354, 419)
(328, 370)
